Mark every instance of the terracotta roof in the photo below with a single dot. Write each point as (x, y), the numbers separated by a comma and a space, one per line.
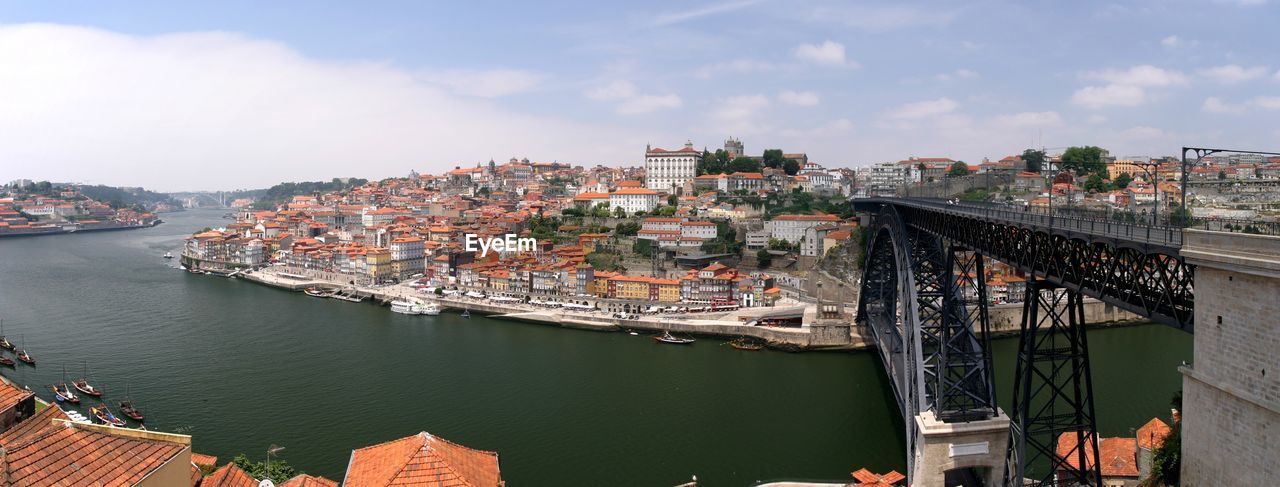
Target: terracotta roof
(1119, 455)
(305, 480)
(867, 478)
(204, 460)
(100, 458)
(422, 459)
(229, 476)
(39, 424)
(635, 191)
(1151, 435)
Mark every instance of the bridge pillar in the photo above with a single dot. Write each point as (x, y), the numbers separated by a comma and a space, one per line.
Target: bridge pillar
(1231, 390)
(967, 453)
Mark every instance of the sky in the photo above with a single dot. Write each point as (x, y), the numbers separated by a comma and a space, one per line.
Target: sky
(179, 96)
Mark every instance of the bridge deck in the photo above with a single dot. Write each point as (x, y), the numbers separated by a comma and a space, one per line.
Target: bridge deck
(1168, 238)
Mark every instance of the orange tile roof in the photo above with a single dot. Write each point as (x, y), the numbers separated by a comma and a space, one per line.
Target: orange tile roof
(37, 425)
(11, 395)
(101, 458)
(634, 191)
(867, 478)
(1151, 435)
(204, 460)
(304, 480)
(1119, 455)
(422, 459)
(229, 476)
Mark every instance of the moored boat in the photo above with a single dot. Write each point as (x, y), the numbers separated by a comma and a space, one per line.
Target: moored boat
(26, 358)
(317, 292)
(406, 308)
(431, 309)
(82, 384)
(126, 408)
(4, 342)
(62, 394)
(6, 361)
(743, 343)
(104, 414)
(466, 313)
(667, 337)
(168, 255)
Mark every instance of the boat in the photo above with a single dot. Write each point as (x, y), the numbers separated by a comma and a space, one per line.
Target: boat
(82, 384)
(6, 361)
(667, 337)
(634, 333)
(126, 407)
(64, 394)
(104, 414)
(4, 342)
(744, 343)
(25, 357)
(406, 308)
(317, 292)
(466, 313)
(431, 309)
(168, 255)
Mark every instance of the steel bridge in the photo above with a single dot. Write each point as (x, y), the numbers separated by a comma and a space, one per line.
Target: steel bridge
(923, 301)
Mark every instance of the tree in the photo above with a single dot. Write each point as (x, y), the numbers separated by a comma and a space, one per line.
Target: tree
(743, 164)
(571, 211)
(673, 200)
(279, 471)
(764, 259)
(791, 167)
(958, 169)
(627, 228)
(484, 192)
(643, 247)
(666, 211)
(1094, 183)
(1034, 159)
(773, 158)
(713, 163)
(1122, 181)
(619, 212)
(1083, 160)
(1222, 175)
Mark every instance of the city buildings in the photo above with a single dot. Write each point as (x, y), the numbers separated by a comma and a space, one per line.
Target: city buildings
(669, 170)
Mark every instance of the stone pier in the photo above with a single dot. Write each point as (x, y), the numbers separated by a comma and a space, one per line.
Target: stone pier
(960, 453)
(1231, 391)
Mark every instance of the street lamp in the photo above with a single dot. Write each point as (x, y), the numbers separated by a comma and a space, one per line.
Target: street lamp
(267, 467)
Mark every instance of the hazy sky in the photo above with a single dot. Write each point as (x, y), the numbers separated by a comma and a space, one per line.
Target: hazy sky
(227, 95)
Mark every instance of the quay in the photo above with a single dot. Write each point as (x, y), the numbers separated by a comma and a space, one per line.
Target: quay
(815, 334)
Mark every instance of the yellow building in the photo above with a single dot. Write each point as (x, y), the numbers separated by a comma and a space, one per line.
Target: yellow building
(377, 264)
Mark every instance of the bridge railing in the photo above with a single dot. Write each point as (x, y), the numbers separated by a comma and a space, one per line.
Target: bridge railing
(1071, 220)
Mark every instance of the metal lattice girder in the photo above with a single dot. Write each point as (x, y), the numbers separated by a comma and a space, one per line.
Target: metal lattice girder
(966, 390)
(1143, 278)
(1053, 394)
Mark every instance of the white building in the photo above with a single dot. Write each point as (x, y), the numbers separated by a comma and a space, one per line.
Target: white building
(634, 199)
(792, 228)
(669, 170)
(886, 178)
(702, 230)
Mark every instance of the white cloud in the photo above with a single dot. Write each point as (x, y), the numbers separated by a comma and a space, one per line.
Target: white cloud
(1028, 119)
(1096, 119)
(687, 15)
(801, 98)
(923, 109)
(649, 103)
(1109, 95)
(1233, 73)
(735, 66)
(1171, 41)
(256, 110)
(1214, 104)
(1145, 75)
(1242, 3)
(957, 74)
(736, 114)
(1267, 102)
(485, 84)
(829, 53)
(880, 18)
(1142, 132)
(617, 90)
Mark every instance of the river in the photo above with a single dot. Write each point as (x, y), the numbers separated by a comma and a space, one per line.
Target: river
(240, 366)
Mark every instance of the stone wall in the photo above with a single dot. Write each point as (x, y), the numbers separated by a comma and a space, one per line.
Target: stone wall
(1231, 394)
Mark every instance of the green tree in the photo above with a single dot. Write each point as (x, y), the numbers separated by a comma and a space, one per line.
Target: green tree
(791, 167)
(743, 164)
(601, 210)
(627, 228)
(713, 163)
(1122, 181)
(773, 158)
(643, 247)
(1083, 160)
(278, 471)
(763, 258)
(1094, 183)
(1034, 159)
(958, 169)
(666, 211)
(1222, 175)
(673, 200)
(618, 212)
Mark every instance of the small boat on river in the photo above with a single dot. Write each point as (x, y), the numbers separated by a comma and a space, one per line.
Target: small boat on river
(6, 361)
(103, 413)
(667, 337)
(82, 384)
(406, 308)
(431, 309)
(466, 313)
(126, 408)
(743, 343)
(62, 394)
(4, 342)
(168, 255)
(316, 292)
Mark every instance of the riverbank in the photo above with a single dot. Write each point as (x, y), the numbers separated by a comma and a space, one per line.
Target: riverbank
(812, 335)
(71, 227)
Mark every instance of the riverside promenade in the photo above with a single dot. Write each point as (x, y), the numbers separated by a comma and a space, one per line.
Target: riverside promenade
(724, 324)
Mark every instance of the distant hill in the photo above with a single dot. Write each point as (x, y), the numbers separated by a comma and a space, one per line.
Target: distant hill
(283, 192)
